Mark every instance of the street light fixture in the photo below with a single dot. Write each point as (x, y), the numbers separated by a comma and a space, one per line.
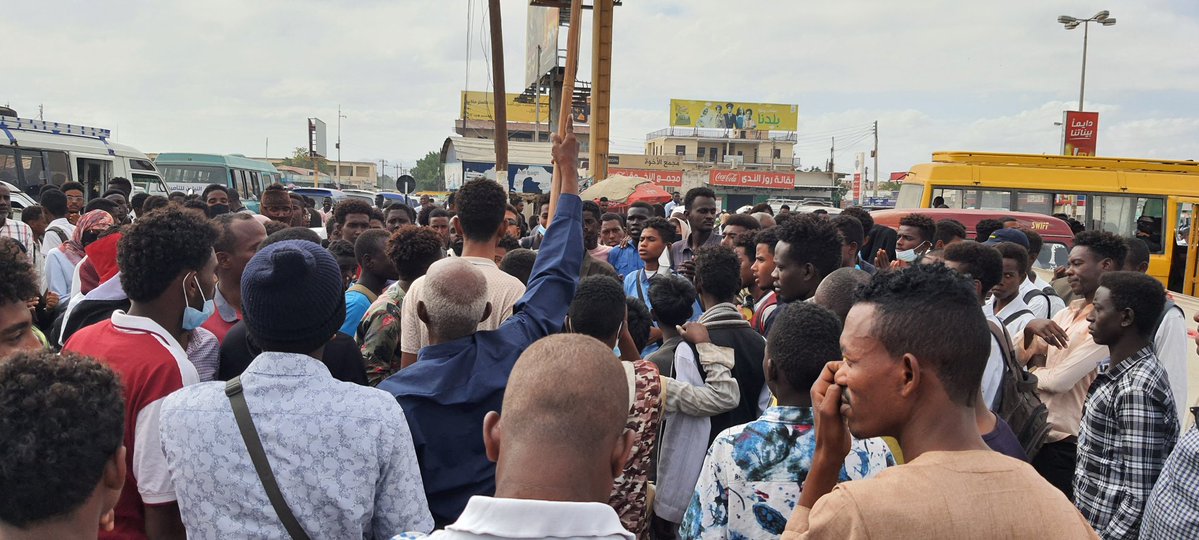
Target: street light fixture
(1103, 18)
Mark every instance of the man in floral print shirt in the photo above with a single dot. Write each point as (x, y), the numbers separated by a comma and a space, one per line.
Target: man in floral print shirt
(753, 472)
(412, 250)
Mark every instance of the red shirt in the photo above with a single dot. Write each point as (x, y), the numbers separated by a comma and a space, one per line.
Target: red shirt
(151, 365)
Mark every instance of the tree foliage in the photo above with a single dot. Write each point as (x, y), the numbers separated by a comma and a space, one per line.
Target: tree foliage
(299, 158)
(429, 173)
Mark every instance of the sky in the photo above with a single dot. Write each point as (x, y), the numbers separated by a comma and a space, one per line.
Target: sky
(227, 76)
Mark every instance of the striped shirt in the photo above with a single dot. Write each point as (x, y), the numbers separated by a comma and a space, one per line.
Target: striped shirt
(20, 232)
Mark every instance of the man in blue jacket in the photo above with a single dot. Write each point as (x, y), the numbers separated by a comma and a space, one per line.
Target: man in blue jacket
(462, 373)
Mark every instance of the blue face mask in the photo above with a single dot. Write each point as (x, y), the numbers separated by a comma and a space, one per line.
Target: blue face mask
(192, 317)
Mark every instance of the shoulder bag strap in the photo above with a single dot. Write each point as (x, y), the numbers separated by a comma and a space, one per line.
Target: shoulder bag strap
(1017, 315)
(364, 291)
(249, 434)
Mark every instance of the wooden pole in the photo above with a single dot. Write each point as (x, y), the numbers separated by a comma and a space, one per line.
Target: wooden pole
(499, 99)
(568, 90)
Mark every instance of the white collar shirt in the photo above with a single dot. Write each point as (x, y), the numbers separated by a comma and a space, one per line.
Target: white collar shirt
(495, 518)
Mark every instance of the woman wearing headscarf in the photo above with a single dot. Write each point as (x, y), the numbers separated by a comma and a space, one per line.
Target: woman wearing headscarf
(61, 262)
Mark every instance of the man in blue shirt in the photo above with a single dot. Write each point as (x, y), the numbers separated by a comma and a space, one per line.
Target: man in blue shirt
(624, 258)
(461, 375)
(377, 270)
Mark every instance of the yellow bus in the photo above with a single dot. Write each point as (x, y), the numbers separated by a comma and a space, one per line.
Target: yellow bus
(1148, 198)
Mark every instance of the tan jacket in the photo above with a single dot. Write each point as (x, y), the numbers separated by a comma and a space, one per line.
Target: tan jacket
(944, 495)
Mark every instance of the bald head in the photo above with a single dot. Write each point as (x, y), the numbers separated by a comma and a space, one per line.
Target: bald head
(566, 391)
(454, 300)
(564, 409)
(765, 219)
(836, 290)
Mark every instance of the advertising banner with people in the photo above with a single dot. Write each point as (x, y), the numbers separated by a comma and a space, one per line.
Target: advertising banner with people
(734, 115)
(1080, 132)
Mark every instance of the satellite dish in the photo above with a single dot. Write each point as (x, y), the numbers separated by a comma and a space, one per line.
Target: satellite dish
(406, 184)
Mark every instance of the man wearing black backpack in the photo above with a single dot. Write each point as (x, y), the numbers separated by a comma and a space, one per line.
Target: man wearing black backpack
(1009, 421)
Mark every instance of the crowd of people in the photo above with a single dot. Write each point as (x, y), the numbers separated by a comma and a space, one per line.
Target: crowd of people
(181, 366)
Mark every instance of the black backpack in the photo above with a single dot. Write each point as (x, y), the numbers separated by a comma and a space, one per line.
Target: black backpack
(1048, 293)
(1018, 403)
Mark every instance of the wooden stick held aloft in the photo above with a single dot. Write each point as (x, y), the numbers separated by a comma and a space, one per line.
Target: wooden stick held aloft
(567, 99)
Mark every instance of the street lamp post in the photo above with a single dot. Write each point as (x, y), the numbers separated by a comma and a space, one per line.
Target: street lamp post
(339, 117)
(1071, 23)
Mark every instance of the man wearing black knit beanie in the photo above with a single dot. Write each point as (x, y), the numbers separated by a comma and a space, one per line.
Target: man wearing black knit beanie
(340, 453)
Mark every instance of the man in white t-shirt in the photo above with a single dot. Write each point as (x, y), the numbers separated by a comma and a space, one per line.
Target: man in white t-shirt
(480, 223)
(1005, 303)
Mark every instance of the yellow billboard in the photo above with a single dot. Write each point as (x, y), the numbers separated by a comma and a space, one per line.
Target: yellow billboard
(480, 106)
(734, 115)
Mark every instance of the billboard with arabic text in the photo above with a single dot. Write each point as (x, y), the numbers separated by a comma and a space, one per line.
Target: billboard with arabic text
(1080, 133)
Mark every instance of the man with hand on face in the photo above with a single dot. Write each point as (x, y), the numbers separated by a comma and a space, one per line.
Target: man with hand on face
(914, 238)
(900, 377)
(624, 256)
(700, 208)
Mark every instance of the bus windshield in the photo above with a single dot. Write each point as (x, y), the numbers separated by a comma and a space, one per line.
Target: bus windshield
(194, 174)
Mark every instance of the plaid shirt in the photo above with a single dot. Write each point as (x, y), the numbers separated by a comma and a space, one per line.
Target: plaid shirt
(20, 232)
(1128, 428)
(1173, 509)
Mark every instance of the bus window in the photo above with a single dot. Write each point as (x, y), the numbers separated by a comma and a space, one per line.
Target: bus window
(1129, 216)
(92, 174)
(33, 167)
(60, 167)
(255, 185)
(8, 165)
(148, 183)
(1071, 205)
(993, 200)
(1041, 203)
(909, 195)
(141, 164)
(953, 197)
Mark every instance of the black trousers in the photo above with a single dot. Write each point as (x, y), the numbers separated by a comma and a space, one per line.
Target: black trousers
(1055, 461)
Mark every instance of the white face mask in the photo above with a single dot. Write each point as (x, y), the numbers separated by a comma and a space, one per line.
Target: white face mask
(908, 255)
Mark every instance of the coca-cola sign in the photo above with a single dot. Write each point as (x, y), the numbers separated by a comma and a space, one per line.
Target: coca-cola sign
(752, 179)
(1081, 133)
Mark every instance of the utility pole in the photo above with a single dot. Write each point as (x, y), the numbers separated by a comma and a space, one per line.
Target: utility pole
(382, 170)
(875, 154)
(339, 117)
(601, 87)
(499, 98)
(537, 104)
